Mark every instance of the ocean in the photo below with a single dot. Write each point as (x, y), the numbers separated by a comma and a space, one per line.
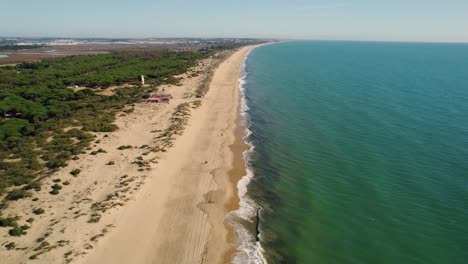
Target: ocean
(358, 153)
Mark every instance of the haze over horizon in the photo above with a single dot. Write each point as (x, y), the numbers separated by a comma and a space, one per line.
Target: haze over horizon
(296, 19)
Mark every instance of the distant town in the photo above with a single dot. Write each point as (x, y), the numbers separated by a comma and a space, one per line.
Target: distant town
(15, 50)
(7, 42)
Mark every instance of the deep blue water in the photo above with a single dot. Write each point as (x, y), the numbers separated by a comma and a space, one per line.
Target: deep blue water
(361, 151)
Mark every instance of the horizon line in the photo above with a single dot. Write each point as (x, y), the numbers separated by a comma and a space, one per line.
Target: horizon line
(253, 38)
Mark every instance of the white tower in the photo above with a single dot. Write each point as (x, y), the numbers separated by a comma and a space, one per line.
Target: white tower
(142, 80)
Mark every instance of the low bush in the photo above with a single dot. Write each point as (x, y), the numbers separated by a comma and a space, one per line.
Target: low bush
(9, 221)
(10, 246)
(16, 231)
(17, 194)
(98, 151)
(124, 147)
(75, 172)
(56, 187)
(38, 211)
(35, 185)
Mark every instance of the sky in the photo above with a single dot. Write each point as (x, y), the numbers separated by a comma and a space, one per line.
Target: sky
(385, 20)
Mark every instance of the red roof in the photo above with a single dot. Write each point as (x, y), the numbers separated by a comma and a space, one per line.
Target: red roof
(161, 96)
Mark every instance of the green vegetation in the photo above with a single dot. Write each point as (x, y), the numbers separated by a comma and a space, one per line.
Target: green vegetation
(98, 151)
(16, 47)
(124, 147)
(16, 231)
(34, 186)
(9, 221)
(44, 123)
(55, 189)
(75, 172)
(43, 244)
(10, 246)
(16, 194)
(38, 211)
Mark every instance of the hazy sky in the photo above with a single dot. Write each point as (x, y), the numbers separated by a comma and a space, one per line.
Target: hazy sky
(408, 20)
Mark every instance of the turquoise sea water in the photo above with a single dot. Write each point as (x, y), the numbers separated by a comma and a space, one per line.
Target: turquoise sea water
(360, 152)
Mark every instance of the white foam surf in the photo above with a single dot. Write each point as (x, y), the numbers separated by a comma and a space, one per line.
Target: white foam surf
(249, 250)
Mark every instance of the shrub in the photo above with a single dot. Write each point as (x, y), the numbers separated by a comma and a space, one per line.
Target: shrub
(56, 187)
(75, 172)
(30, 220)
(17, 194)
(38, 211)
(66, 183)
(35, 199)
(56, 180)
(98, 151)
(16, 231)
(43, 245)
(110, 163)
(56, 163)
(10, 246)
(9, 221)
(124, 147)
(35, 185)
(25, 227)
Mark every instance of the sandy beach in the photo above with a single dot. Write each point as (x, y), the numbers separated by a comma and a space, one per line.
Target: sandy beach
(179, 214)
(149, 196)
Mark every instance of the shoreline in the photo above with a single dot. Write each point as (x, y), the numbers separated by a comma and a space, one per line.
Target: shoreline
(241, 217)
(238, 170)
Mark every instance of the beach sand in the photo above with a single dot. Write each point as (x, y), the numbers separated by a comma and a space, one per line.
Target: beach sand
(178, 216)
(162, 200)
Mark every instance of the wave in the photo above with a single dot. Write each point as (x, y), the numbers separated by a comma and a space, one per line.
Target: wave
(248, 244)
